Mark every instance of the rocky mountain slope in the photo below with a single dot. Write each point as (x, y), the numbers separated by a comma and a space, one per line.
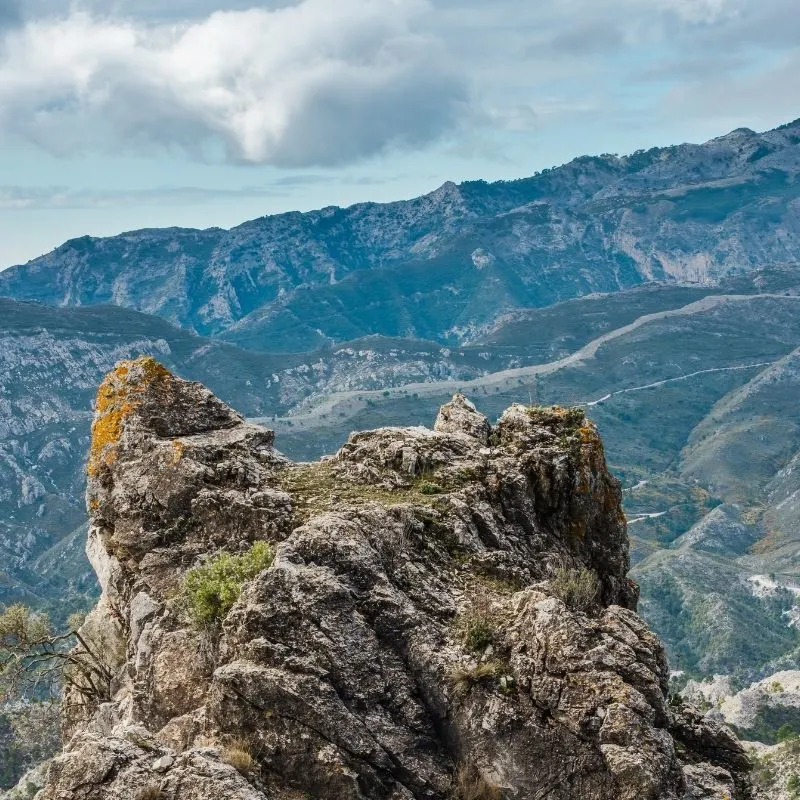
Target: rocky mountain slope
(766, 714)
(435, 614)
(50, 363)
(692, 384)
(674, 393)
(446, 265)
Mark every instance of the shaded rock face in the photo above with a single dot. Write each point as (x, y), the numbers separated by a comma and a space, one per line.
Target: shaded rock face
(411, 637)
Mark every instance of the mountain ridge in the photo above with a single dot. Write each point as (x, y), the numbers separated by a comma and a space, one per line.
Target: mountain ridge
(444, 266)
(680, 272)
(689, 544)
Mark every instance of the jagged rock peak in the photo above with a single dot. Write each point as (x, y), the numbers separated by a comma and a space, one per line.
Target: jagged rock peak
(147, 392)
(461, 416)
(441, 615)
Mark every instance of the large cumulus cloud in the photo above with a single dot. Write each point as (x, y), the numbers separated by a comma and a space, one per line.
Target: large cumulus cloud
(317, 83)
(297, 83)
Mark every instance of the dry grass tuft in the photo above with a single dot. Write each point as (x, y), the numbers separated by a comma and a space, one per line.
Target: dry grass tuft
(464, 678)
(320, 487)
(469, 784)
(579, 589)
(149, 792)
(240, 756)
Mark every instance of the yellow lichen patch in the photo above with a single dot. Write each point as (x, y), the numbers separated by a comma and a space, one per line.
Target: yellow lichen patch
(178, 450)
(106, 432)
(151, 370)
(588, 434)
(117, 398)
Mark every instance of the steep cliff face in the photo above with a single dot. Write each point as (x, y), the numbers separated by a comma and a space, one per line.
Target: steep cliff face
(439, 614)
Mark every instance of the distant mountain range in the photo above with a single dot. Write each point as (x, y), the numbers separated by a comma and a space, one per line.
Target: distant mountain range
(445, 266)
(659, 290)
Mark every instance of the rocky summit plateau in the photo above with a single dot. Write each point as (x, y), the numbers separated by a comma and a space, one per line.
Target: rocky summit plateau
(426, 614)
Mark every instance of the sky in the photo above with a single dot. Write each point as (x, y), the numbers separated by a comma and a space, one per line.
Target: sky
(139, 113)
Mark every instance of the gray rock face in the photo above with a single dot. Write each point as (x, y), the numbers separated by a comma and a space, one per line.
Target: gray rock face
(461, 416)
(765, 704)
(51, 361)
(420, 633)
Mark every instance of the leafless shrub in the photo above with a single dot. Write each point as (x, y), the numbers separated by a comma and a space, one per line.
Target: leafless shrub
(34, 660)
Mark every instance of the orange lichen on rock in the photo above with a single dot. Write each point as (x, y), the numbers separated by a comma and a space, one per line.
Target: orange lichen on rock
(588, 434)
(178, 449)
(117, 398)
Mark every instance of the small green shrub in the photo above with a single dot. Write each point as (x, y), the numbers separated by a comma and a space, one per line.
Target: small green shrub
(786, 733)
(764, 772)
(479, 632)
(793, 785)
(209, 591)
(20, 626)
(426, 487)
(479, 625)
(578, 588)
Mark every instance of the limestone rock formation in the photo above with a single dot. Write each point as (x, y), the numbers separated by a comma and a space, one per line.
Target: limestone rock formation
(447, 615)
(461, 416)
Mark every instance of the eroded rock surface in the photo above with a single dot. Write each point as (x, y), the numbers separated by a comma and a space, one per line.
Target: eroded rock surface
(447, 615)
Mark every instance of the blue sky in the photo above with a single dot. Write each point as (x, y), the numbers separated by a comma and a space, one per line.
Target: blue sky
(120, 115)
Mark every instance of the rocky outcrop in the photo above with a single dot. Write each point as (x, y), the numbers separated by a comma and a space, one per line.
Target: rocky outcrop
(446, 615)
(461, 416)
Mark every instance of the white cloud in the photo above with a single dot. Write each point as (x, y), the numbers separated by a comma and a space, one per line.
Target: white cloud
(759, 95)
(327, 82)
(314, 83)
(700, 11)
